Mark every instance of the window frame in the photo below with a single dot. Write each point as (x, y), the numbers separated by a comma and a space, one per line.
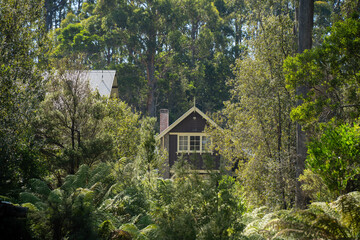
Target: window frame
(189, 135)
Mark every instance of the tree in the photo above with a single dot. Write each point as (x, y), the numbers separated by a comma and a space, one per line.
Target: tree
(335, 157)
(144, 28)
(74, 39)
(189, 207)
(258, 130)
(330, 72)
(70, 121)
(203, 54)
(160, 48)
(21, 41)
(306, 19)
(70, 210)
(56, 11)
(123, 125)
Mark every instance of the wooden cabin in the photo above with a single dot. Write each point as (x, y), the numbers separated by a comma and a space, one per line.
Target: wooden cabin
(186, 138)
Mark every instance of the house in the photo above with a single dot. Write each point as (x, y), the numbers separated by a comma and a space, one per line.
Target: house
(185, 138)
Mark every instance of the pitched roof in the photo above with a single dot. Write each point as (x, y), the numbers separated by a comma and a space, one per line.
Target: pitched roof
(104, 81)
(180, 119)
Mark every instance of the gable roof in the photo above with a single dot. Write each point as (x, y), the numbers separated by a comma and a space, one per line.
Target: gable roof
(104, 81)
(180, 119)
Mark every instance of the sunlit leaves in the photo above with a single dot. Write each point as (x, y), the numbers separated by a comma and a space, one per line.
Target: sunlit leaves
(331, 72)
(335, 156)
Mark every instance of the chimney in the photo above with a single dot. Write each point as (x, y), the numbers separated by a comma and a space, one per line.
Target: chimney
(164, 119)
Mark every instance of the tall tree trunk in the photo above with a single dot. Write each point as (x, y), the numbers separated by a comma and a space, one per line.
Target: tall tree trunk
(194, 29)
(280, 160)
(150, 68)
(238, 34)
(72, 160)
(48, 14)
(306, 15)
(150, 65)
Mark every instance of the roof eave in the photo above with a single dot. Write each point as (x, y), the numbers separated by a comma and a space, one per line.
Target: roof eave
(180, 119)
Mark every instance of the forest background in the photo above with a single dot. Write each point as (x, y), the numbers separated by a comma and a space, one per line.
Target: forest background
(87, 167)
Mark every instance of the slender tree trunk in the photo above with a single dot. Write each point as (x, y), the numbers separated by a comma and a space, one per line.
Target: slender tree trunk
(72, 161)
(48, 15)
(280, 160)
(306, 15)
(194, 29)
(238, 34)
(150, 67)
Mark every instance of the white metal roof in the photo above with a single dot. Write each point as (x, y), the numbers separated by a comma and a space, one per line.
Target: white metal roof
(104, 81)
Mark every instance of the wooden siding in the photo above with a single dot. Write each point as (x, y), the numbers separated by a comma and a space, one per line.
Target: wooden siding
(189, 124)
(172, 149)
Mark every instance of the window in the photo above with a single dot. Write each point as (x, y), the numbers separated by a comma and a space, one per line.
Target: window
(193, 143)
(205, 144)
(183, 143)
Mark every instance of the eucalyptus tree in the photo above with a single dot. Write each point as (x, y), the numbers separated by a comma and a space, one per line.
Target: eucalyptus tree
(203, 52)
(144, 26)
(159, 48)
(73, 39)
(330, 71)
(257, 124)
(305, 22)
(56, 11)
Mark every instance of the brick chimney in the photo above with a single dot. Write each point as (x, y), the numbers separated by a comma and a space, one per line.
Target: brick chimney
(164, 119)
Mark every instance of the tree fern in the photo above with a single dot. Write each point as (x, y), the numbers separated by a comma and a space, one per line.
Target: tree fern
(337, 220)
(70, 211)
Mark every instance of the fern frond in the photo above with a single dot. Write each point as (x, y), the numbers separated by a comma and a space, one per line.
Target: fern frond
(349, 208)
(68, 183)
(31, 198)
(39, 187)
(150, 229)
(56, 196)
(81, 176)
(30, 206)
(133, 230)
(293, 233)
(98, 172)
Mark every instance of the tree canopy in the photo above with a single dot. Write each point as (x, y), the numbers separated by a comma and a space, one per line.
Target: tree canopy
(91, 167)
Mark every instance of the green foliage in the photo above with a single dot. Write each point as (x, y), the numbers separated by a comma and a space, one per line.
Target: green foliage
(70, 210)
(144, 234)
(105, 229)
(314, 187)
(257, 130)
(189, 207)
(122, 124)
(337, 220)
(71, 122)
(21, 44)
(72, 38)
(159, 48)
(335, 157)
(331, 72)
